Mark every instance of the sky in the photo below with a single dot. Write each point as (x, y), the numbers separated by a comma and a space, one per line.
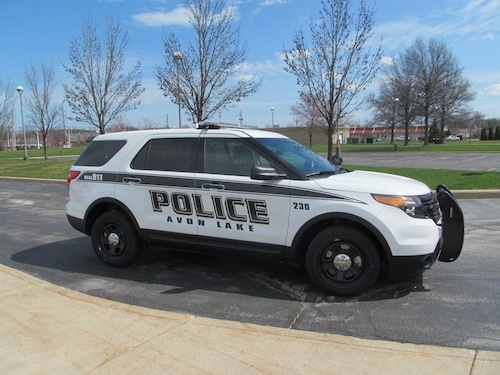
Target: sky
(36, 31)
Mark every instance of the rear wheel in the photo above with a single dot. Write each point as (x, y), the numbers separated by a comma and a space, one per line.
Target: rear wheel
(342, 261)
(115, 240)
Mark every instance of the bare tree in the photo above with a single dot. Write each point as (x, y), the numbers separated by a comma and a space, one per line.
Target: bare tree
(395, 102)
(455, 93)
(43, 114)
(304, 111)
(428, 83)
(440, 85)
(101, 89)
(205, 80)
(7, 101)
(338, 66)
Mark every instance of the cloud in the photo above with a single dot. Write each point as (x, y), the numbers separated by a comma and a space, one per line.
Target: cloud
(477, 20)
(177, 16)
(493, 90)
(387, 60)
(268, 3)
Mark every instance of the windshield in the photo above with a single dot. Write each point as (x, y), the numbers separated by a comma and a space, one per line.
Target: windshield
(298, 156)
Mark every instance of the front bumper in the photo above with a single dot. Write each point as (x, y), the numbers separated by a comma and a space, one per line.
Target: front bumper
(447, 250)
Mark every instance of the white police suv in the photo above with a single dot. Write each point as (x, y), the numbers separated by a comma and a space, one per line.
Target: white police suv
(253, 193)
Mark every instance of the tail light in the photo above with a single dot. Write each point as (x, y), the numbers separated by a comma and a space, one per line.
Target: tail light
(71, 176)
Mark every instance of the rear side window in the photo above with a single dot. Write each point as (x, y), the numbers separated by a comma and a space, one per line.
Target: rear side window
(99, 153)
(167, 154)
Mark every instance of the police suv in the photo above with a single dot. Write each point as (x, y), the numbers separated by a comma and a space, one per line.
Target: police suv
(252, 193)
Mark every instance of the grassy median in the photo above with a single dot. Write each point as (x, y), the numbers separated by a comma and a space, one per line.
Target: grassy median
(60, 160)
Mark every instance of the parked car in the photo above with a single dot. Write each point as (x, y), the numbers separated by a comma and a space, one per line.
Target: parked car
(453, 138)
(402, 138)
(253, 193)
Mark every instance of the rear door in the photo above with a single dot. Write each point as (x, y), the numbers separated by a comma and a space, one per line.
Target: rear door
(158, 185)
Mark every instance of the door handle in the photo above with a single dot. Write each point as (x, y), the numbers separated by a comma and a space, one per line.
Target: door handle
(209, 186)
(132, 180)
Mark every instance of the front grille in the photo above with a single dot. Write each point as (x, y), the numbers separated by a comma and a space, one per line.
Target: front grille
(430, 207)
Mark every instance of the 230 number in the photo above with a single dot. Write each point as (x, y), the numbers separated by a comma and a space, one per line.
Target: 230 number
(300, 206)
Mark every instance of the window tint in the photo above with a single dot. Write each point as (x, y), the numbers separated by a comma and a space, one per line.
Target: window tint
(99, 153)
(167, 154)
(231, 157)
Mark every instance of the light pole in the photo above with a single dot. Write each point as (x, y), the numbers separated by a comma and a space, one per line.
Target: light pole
(177, 58)
(69, 134)
(394, 103)
(272, 117)
(20, 90)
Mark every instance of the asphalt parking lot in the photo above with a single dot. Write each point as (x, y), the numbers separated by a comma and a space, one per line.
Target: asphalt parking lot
(53, 328)
(454, 304)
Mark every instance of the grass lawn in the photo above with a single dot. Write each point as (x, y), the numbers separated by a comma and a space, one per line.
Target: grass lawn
(56, 167)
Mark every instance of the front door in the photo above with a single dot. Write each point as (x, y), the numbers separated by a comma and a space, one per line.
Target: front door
(235, 207)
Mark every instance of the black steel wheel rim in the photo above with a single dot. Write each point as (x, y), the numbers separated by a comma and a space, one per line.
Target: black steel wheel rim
(112, 241)
(342, 262)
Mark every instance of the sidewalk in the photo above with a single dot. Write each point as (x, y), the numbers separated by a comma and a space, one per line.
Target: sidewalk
(47, 329)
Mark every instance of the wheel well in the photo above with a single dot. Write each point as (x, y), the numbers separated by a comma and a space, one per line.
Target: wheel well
(101, 207)
(302, 241)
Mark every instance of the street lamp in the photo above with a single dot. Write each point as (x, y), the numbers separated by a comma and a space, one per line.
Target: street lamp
(394, 103)
(177, 58)
(20, 90)
(272, 117)
(69, 134)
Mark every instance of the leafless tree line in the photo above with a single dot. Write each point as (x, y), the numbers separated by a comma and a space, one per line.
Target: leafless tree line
(424, 82)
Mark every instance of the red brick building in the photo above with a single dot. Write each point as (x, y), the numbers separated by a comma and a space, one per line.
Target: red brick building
(374, 134)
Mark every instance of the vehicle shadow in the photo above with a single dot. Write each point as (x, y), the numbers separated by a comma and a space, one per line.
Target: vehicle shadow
(180, 273)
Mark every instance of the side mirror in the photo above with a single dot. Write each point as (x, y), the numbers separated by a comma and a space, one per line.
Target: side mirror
(336, 159)
(265, 173)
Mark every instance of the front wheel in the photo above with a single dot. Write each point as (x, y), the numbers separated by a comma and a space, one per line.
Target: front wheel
(342, 261)
(115, 240)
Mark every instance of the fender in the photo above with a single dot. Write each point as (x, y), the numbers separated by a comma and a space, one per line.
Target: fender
(104, 204)
(305, 234)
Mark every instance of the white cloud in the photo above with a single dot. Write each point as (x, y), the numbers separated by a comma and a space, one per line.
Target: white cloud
(268, 3)
(387, 60)
(492, 90)
(177, 16)
(478, 20)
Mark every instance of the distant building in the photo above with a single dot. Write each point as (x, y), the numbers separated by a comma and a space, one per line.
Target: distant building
(374, 134)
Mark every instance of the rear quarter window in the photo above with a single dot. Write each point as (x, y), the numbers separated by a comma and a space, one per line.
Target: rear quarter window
(99, 153)
(167, 154)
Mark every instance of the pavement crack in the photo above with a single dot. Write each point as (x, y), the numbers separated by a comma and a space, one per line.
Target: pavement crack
(303, 307)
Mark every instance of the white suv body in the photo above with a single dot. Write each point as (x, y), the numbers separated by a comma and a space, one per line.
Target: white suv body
(253, 193)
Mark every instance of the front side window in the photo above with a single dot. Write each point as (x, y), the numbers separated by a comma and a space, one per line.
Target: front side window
(298, 156)
(167, 154)
(231, 157)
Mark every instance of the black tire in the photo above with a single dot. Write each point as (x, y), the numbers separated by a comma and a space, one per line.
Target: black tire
(342, 261)
(115, 239)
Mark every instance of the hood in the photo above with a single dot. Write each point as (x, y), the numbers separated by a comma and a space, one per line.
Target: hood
(373, 183)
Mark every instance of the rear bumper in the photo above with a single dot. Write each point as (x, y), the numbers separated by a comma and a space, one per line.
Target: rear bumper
(76, 223)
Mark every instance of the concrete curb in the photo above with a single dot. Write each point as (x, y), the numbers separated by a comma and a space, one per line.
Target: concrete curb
(50, 329)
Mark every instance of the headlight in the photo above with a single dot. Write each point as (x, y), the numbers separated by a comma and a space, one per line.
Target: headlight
(411, 205)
